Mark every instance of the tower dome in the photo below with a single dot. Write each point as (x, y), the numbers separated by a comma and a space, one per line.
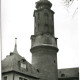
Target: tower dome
(43, 4)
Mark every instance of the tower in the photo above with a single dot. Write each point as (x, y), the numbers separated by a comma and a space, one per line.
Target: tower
(43, 42)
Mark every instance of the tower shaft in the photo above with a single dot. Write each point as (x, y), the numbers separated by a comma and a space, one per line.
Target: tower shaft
(44, 44)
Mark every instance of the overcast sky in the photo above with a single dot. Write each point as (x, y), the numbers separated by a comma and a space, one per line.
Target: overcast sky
(18, 21)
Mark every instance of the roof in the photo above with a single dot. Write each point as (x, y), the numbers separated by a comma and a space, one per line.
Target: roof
(13, 63)
(68, 73)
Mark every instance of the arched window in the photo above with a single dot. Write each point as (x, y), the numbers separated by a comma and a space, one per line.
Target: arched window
(38, 16)
(46, 16)
(46, 28)
(35, 29)
(38, 27)
(35, 19)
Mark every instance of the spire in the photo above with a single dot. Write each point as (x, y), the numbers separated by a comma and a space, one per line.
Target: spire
(15, 47)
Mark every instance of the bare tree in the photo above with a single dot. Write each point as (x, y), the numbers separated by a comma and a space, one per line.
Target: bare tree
(68, 3)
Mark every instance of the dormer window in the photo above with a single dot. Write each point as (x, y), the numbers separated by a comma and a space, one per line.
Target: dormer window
(23, 65)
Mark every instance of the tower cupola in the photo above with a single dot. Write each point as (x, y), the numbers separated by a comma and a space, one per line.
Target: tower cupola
(43, 4)
(44, 18)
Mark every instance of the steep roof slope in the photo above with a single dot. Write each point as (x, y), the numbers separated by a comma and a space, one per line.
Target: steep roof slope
(12, 63)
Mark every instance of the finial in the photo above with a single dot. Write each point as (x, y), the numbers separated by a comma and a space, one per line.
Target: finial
(43, 4)
(43, 0)
(15, 47)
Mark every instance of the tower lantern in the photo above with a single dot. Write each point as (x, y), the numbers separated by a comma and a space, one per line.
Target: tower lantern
(43, 42)
(44, 18)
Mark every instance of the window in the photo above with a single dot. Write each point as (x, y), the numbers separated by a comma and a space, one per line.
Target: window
(37, 70)
(35, 31)
(20, 78)
(62, 75)
(5, 78)
(54, 61)
(38, 16)
(38, 26)
(23, 65)
(46, 28)
(46, 16)
(35, 19)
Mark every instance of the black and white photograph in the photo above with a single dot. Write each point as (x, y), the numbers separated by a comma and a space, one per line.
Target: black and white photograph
(39, 40)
